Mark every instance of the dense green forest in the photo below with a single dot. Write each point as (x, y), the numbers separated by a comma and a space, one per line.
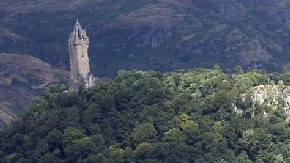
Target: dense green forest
(181, 116)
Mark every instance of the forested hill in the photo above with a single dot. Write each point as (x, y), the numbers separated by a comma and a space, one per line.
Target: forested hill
(183, 116)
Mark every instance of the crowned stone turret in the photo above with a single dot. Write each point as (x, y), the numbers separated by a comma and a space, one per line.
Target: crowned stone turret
(78, 45)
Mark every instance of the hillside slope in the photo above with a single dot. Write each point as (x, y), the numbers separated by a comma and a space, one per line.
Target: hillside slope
(21, 78)
(154, 34)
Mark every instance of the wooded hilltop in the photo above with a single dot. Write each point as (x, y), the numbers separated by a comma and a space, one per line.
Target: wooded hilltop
(181, 116)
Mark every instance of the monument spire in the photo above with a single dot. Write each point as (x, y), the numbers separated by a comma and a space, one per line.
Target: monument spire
(78, 45)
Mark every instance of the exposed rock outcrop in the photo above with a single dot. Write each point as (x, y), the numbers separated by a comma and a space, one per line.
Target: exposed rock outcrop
(273, 96)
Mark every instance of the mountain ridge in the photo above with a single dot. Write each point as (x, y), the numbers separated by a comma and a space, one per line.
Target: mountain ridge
(154, 35)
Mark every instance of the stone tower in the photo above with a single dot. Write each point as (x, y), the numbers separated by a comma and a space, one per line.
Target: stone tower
(78, 45)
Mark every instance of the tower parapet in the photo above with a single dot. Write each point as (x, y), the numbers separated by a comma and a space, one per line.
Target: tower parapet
(78, 45)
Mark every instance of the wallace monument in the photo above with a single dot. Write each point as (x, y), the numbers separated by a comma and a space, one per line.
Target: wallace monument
(78, 45)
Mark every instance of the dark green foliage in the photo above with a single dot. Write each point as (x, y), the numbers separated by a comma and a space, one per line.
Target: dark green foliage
(184, 116)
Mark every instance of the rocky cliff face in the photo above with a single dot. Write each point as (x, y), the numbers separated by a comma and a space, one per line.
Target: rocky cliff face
(273, 96)
(154, 34)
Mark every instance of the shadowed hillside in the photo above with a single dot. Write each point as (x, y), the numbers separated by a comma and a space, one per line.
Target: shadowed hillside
(157, 34)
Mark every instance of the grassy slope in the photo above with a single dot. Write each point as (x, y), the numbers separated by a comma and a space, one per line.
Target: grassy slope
(21, 78)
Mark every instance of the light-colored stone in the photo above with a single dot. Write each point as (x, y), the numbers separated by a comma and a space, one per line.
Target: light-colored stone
(273, 95)
(78, 44)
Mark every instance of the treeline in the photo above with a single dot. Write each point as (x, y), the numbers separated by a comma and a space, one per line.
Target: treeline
(182, 116)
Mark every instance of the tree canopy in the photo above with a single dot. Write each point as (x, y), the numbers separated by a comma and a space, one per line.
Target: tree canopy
(182, 116)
